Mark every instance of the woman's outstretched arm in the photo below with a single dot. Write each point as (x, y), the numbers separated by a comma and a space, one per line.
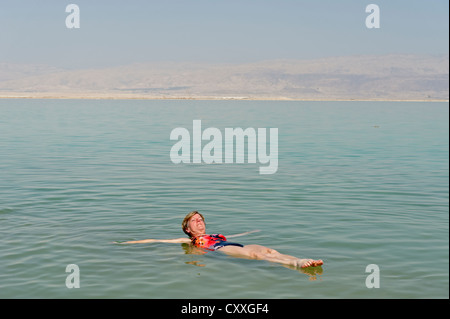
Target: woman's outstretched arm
(144, 241)
(242, 234)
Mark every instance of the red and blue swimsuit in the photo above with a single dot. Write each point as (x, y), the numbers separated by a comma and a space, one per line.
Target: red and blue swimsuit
(212, 242)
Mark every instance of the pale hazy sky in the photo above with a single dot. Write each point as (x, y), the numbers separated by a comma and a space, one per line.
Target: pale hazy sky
(114, 32)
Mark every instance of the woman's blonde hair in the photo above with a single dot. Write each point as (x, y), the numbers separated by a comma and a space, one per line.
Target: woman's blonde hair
(185, 223)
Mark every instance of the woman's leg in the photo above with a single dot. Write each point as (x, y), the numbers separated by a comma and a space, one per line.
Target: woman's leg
(269, 254)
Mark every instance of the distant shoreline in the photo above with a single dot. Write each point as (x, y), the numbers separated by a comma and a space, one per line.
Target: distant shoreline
(397, 77)
(206, 98)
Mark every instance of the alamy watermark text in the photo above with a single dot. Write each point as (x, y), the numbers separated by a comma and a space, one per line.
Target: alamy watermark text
(225, 148)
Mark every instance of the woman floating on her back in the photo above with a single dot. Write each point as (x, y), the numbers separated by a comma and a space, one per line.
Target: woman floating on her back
(194, 226)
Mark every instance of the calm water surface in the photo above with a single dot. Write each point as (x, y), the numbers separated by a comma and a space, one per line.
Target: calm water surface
(358, 183)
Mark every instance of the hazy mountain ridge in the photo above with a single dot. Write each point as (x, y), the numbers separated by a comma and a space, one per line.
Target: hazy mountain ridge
(355, 77)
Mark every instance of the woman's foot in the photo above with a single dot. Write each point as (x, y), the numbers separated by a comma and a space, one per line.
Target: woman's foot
(304, 263)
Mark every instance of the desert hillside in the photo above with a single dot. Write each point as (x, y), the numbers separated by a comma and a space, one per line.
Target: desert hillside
(390, 77)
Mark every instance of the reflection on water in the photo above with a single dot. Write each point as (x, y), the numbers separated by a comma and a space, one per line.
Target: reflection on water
(192, 250)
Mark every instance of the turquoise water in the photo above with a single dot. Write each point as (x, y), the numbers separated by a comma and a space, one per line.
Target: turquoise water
(358, 183)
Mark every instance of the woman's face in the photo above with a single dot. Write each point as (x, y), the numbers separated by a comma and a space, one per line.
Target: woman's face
(196, 226)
